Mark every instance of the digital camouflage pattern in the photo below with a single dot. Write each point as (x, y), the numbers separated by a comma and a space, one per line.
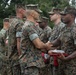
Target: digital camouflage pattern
(32, 55)
(2, 32)
(32, 71)
(56, 31)
(35, 71)
(45, 37)
(46, 32)
(2, 40)
(2, 44)
(14, 32)
(54, 35)
(3, 58)
(68, 44)
(15, 26)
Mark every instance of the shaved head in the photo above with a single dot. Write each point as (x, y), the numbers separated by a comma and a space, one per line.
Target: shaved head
(32, 13)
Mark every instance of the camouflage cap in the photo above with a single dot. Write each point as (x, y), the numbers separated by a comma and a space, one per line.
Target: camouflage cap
(68, 10)
(43, 19)
(54, 10)
(12, 16)
(33, 7)
(20, 6)
(6, 20)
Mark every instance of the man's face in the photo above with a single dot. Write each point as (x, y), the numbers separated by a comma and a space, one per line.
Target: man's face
(36, 17)
(42, 24)
(23, 12)
(53, 17)
(6, 24)
(66, 18)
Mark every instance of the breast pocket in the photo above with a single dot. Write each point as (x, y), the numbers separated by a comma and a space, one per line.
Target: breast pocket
(66, 37)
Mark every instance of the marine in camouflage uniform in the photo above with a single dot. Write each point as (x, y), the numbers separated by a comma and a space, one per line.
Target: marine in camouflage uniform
(14, 33)
(36, 8)
(67, 39)
(58, 27)
(14, 39)
(56, 31)
(9, 64)
(46, 30)
(31, 54)
(2, 51)
(3, 56)
(11, 18)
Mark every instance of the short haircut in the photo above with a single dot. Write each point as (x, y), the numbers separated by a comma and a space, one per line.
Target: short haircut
(71, 10)
(6, 20)
(31, 12)
(17, 6)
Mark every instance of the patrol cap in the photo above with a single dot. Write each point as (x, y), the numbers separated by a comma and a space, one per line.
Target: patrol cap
(6, 20)
(43, 19)
(68, 10)
(19, 6)
(12, 16)
(33, 7)
(54, 10)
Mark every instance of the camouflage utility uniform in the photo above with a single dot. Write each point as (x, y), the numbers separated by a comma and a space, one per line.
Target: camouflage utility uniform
(68, 44)
(56, 31)
(3, 58)
(45, 37)
(32, 58)
(14, 33)
(45, 34)
(54, 35)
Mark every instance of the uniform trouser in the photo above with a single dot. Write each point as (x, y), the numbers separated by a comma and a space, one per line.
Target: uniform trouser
(53, 69)
(67, 70)
(47, 70)
(9, 72)
(67, 67)
(32, 71)
(35, 71)
(14, 69)
(3, 69)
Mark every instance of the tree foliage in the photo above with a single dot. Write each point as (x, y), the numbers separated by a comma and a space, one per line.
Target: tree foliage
(45, 5)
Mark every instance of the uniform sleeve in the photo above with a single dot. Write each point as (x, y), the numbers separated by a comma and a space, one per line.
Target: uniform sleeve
(74, 35)
(1, 56)
(17, 25)
(2, 33)
(18, 34)
(31, 32)
(49, 32)
(19, 30)
(33, 36)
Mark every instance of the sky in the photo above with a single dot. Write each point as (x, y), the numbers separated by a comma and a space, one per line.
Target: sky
(9, 2)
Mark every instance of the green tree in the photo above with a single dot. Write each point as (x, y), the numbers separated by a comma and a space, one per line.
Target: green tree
(45, 5)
